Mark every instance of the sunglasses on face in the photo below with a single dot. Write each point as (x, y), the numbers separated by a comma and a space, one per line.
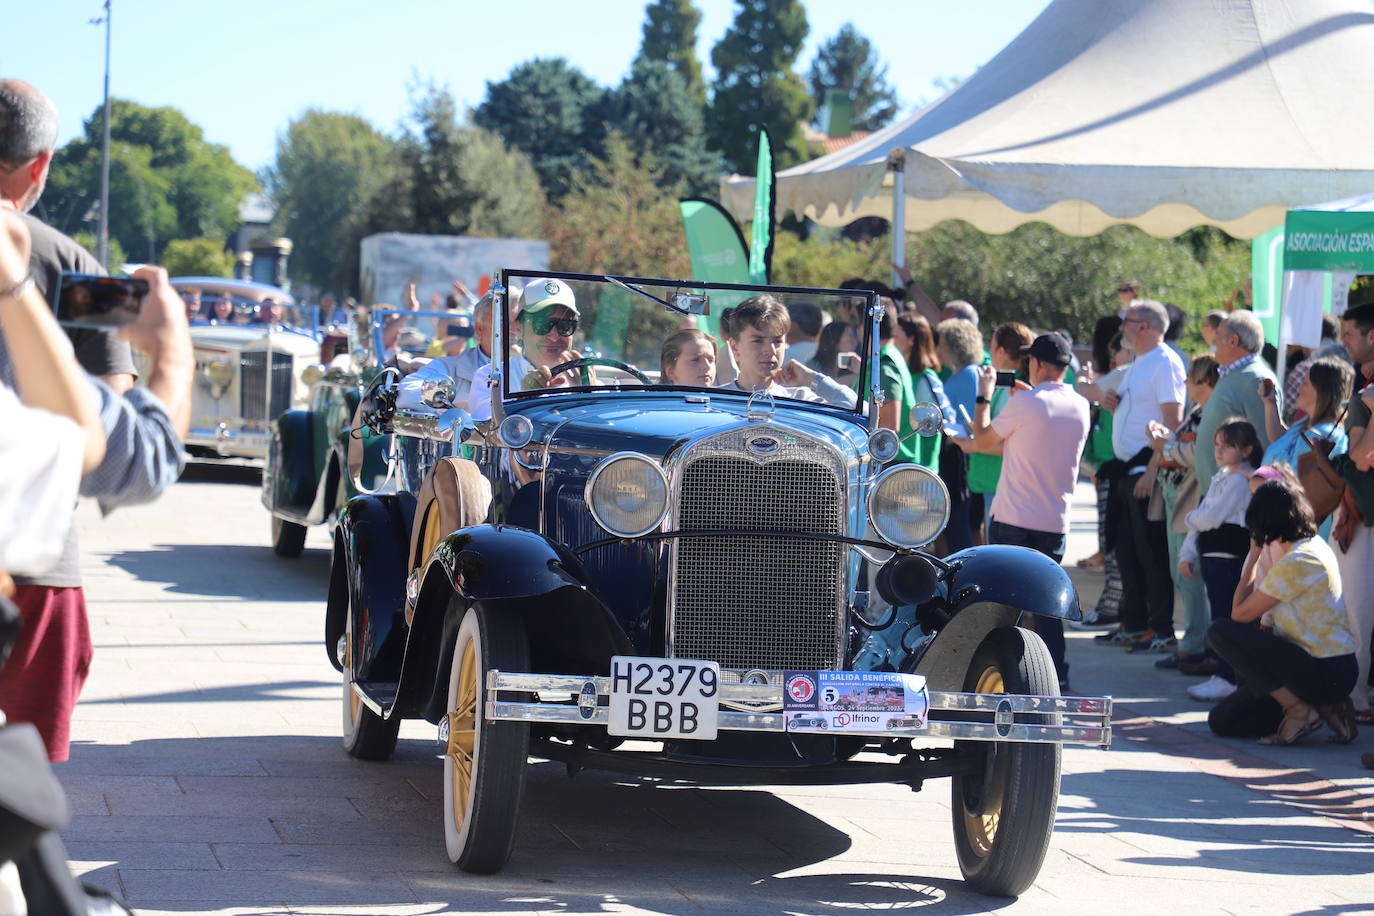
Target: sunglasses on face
(542, 324)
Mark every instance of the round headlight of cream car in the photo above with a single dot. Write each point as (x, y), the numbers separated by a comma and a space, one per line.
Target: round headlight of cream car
(908, 505)
(628, 494)
(219, 372)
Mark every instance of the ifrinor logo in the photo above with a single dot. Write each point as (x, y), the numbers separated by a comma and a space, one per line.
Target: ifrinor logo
(801, 688)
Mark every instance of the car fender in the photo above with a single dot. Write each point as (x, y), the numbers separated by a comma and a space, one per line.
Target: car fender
(369, 575)
(290, 482)
(989, 587)
(510, 570)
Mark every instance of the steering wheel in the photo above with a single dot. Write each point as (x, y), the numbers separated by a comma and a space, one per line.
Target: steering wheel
(599, 361)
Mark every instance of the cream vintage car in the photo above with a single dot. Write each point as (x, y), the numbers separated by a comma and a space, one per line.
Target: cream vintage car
(257, 353)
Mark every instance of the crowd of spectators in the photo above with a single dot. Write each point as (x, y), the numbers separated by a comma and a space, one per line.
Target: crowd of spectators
(1243, 502)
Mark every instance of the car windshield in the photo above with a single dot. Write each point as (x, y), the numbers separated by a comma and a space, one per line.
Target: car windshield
(208, 306)
(573, 332)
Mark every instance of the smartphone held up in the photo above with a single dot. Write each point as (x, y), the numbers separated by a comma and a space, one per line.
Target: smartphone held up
(89, 301)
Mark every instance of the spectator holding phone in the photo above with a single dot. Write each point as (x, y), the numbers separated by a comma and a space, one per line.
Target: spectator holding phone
(50, 433)
(143, 427)
(1040, 433)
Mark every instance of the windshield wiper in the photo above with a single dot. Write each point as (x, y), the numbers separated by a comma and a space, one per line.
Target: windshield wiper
(680, 302)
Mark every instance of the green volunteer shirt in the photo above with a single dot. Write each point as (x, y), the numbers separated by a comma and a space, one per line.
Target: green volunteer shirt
(896, 383)
(985, 470)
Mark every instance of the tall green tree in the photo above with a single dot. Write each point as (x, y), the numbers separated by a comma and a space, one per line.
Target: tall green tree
(329, 168)
(849, 61)
(670, 37)
(166, 180)
(552, 112)
(458, 180)
(654, 110)
(756, 87)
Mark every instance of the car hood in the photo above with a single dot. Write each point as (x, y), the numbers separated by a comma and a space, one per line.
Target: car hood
(655, 424)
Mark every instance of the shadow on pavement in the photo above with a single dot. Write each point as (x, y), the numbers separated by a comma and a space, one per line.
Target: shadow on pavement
(1191, 828)
(230, 570)
(370, 836)
(237, 693)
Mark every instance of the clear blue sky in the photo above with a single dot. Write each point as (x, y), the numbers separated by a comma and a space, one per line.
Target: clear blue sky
(242, 70)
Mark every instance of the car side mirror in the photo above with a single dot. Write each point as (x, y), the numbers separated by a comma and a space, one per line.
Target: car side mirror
(455, 425)
(438, 393)
(927, 420)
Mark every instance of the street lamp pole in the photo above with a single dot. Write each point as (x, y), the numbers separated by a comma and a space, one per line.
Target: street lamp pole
(102, 251)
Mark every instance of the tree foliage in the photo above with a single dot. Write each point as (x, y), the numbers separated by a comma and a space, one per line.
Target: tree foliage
(756, 87)
(329, 168)
(849, 61)
(552, 112)
(654, 110)
(619, 217)
(670, 37)
(166, 180)
(197, 258)
(457, 180)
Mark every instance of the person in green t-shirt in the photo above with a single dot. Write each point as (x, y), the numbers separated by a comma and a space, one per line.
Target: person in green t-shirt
(914, 341)
(985, 470)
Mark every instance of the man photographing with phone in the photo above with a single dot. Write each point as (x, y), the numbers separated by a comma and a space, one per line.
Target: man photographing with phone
(143, 427)
(1040, 434)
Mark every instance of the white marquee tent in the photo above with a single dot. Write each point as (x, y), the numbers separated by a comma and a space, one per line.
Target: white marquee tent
(1164, 114)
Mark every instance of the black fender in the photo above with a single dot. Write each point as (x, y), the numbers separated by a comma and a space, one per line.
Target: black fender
(988, 587)
(368, 574)
(515, 571)
(291, 482)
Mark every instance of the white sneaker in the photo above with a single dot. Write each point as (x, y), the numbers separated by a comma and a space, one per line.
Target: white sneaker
(1213, 689)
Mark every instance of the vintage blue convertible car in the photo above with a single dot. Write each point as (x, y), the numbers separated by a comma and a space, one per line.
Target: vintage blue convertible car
(688, 580)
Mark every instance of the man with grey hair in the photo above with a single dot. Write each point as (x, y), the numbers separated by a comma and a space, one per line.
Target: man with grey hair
(460, 369)
(958, 308)
(1152, 391)
(1238, 341)
(143, 427)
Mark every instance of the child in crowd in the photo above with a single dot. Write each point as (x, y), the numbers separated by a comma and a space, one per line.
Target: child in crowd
(1218, 542)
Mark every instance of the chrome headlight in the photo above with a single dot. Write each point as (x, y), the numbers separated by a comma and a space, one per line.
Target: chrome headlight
(628, 494)
(908, 505)
(218, 373)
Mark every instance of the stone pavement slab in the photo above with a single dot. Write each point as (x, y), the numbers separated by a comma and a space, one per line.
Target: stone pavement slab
(207, 777)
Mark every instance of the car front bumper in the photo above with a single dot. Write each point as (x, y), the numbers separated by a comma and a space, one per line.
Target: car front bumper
(228, 442)
(565, 700)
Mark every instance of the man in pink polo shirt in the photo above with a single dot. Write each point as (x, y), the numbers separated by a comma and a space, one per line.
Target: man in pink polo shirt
(1040, 434)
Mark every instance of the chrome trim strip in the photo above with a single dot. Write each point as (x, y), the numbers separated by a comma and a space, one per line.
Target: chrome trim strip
(1096, 712)
(1100, 736)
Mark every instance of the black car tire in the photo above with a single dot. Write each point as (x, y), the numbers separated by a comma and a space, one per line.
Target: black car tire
(366, 735)
(288, 538)
(484, 762)
(1004, 810)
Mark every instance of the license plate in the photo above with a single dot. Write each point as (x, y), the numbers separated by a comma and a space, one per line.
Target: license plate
(664, 698)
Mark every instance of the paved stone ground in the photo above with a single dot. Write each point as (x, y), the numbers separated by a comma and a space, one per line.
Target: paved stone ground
(207, 777)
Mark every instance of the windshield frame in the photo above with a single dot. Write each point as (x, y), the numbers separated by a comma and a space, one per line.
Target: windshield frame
(503, 332)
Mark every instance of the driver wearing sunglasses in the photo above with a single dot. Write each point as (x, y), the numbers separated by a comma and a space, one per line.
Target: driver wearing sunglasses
(547, 321)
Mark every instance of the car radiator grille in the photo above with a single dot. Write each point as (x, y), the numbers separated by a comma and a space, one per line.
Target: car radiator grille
(254, 384)
(760, 602)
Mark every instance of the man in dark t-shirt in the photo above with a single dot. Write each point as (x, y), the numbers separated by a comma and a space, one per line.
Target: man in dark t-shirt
(143, 428)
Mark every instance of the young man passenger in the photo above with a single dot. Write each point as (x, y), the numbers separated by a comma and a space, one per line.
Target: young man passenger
(756, 331)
